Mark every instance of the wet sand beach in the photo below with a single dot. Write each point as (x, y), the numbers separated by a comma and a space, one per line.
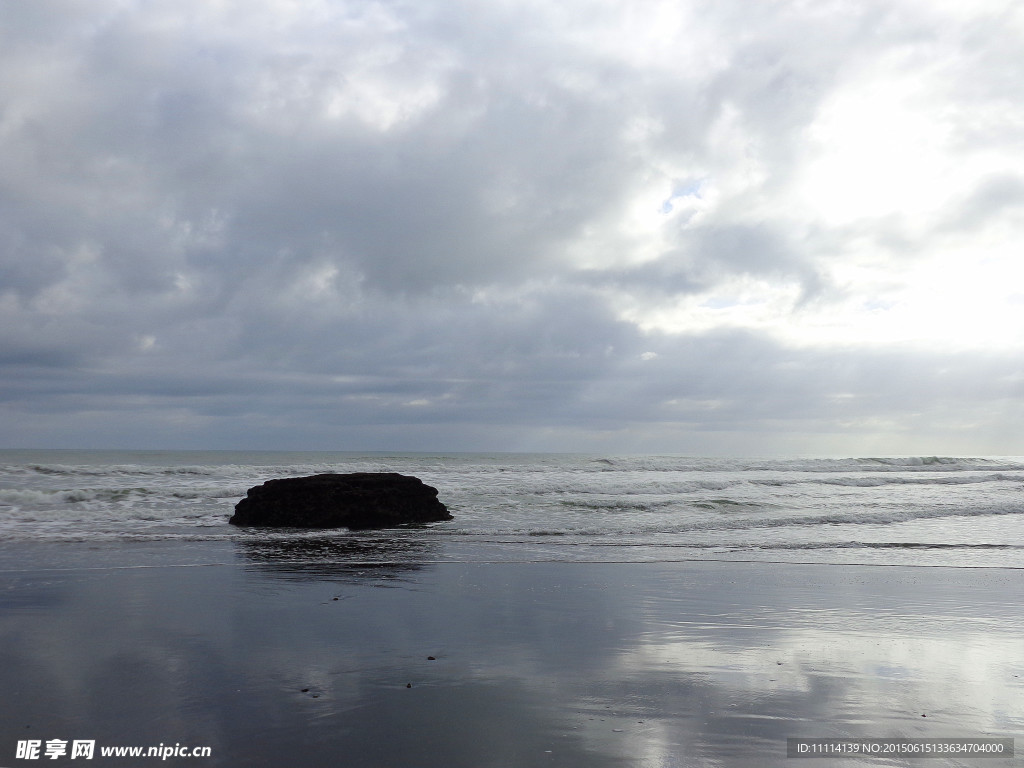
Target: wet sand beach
(309, 663)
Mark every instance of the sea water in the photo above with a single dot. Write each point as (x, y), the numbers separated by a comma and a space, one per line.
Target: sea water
(575, 611)
(927, 511)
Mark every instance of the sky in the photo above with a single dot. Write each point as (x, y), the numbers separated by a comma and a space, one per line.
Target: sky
(705, 228)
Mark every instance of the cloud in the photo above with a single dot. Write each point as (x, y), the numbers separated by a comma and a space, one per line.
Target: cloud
(484, 222)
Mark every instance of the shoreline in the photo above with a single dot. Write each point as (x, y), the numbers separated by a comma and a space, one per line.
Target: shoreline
(101, 554)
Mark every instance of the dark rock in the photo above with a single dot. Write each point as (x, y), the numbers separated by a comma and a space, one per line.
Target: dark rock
(354, 501)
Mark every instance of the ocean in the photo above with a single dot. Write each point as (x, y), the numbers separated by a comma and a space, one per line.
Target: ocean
(58, 506)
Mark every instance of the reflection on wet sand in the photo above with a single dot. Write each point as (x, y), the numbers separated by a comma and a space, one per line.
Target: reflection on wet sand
(333, 556)
(298, 659)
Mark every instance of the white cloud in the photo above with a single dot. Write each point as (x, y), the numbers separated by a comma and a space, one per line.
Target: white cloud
(596, 218)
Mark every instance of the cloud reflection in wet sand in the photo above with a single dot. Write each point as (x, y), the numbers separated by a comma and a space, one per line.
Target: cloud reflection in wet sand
(570, 664)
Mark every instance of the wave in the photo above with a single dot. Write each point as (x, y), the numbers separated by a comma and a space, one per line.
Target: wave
(16, 497)
(851, 464)
(123, 469)
(618, 505)
(874, 481)
(934, 462)
(854, 517)
(616, 526)
(630, 486)
(640, 504)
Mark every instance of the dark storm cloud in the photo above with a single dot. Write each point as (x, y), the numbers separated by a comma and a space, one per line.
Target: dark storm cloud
(302, 222)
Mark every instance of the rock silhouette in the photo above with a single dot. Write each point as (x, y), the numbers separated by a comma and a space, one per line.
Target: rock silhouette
(356, 501)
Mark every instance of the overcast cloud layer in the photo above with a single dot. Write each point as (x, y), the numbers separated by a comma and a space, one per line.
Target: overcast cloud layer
(724, 227)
